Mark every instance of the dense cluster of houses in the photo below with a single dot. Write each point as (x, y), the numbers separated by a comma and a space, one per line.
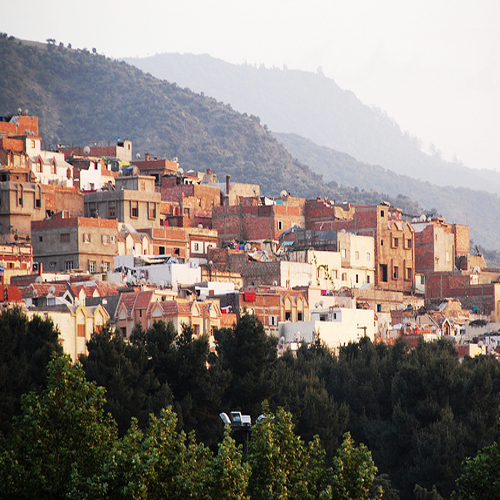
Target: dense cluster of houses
(92, 235)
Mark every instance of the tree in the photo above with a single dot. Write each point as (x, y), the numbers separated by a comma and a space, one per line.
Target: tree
(283, 466)
(132, 388)
(353, 472)
(26, 347)
(62, 434)
(246, 352)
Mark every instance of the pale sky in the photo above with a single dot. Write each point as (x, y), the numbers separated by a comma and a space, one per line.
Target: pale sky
(432, 65)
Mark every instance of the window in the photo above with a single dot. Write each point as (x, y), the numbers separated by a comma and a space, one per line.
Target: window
(357, 278)
(288, 315)
(161, 250)
(280, 224)
(64, 237)
(396, 272)
(273, 321)
(40, 239)
(105, 267)
(196, 247)
(344, 276)
(80, 330)
(422, 279)
(343, 252)
(68, 265)
(152, 210)
(381, 243)
(111, 209)
(368, 278)
(383, 272)
(356, 255)
(408, 273)
(92, 266)
(105, 239)
(368, 256)
(143, 186)
(113, 239)
(396, 242)
(448, 256)
(300, 316)
(86, 237)
(408, 243)
(32, 143)
(382, 214)
(134, 209)
(92, 210)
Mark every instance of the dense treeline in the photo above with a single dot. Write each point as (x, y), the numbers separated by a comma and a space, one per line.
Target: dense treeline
(64, 445)
(420, 412)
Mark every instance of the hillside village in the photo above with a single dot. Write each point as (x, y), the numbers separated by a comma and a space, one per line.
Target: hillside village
(99, 234)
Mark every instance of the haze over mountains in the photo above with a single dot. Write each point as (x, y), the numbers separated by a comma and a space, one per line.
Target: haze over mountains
(315, 107)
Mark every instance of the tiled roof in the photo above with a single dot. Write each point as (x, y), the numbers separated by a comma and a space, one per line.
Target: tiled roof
(175, 308)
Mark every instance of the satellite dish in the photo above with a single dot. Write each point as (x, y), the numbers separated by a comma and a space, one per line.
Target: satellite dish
(38, 279)
(162, 284)
(86, 150)
(180, 170)
(321, 303)
(275, 283)
(284, 193)
(138, 156)
(52, 289)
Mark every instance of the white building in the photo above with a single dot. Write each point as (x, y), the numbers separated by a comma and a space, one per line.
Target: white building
(335, 326)
(164, 272)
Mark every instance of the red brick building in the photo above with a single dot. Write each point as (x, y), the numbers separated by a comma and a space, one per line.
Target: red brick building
(190, 204)
(258, 218)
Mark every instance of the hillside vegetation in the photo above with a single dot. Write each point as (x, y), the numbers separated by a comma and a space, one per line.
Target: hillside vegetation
(80, 95)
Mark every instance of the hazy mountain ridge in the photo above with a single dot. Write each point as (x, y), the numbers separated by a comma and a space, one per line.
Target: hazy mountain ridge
(315, 107)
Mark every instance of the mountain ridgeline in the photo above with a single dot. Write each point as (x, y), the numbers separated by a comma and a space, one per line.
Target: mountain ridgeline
(80, 96)
(314, 106)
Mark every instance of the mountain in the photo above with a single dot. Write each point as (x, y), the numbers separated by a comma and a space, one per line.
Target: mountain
(81, 96)
(315, 107)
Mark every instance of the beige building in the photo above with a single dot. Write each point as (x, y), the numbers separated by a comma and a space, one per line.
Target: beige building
(133, 201)
(357, 258)
(63, 243)
(76, 325)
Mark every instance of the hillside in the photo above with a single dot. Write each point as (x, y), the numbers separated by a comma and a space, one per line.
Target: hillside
(314, 106)
(80, 96)
(478, 209)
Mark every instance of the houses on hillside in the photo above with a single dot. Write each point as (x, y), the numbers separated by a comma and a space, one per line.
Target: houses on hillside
(147, 240)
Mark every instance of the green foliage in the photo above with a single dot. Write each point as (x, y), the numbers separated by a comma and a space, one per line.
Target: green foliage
(283, 466)
(26, 347)
(247, 353)
(132, 387)
(353, 472)
(61, 434)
